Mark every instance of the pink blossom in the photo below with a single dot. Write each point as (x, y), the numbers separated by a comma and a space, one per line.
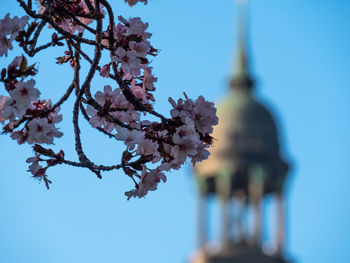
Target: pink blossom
(129, 62)
(181, 152)
(204, 115)
(202, 112)
(141, 49)
(129, 117)
(21, 99)
(148, 182)
(120, 102)
(37, 170)
(34, 167)
(3, 100)
(98, 121)
(130, 137)
(202, 153)
(139, 92)
(5, 45)
(131, 193)
(66, 24)
(10, 26)
(20, 136)
(25, 93)
(111, 99)
(185, 132)
(104, 72)
(181, 108)
(173, 164)
(46, 105)
(186, 141)
(118, 33)
(107, 96)
(146, 147)
(41, 131)
(134, 26)
(85, 10)
(149, 79)
(14, 110)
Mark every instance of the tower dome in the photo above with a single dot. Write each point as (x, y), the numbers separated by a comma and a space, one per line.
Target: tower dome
(246, 136)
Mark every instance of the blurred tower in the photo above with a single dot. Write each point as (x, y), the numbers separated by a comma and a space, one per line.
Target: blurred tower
(245, 166)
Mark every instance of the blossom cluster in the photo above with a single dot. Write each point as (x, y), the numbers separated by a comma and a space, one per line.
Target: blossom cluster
(152, 148)
(38, 171)
(9, 30)
(165, 146)
(23, 106)
(132, 48)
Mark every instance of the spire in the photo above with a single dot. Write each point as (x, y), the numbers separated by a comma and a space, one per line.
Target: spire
(242, 78)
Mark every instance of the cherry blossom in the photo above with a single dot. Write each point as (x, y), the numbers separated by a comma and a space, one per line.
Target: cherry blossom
(98, 121)
(111, 99)
(37, 170)
(35, 167)
(202, 112)
(41, 131)
(147, 147)
(148, 182)
(105, 70)
(186, 142)
(25, 93)
(130, 137)
(129, 61)
(12, 26)
(3, 100)
(202, 153)
(5, 45)
(21, 98)
(134, 26)
(13, 110)
(139, 92)
(149, 79)
(9, 30)
(141, 49)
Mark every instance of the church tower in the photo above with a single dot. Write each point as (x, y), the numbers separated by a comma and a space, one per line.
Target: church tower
(245, 167)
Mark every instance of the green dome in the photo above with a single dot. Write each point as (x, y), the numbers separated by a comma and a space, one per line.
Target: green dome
(250, 126)
(245, 138)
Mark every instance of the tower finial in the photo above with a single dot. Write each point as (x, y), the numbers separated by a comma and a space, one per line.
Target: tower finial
(242, 78)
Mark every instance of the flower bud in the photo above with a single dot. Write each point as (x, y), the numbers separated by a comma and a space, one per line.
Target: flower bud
(47, 152)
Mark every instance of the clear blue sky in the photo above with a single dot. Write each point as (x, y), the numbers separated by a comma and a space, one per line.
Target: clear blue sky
(301, 55)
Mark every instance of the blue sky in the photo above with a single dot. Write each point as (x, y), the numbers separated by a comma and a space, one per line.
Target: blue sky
(301, 59)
